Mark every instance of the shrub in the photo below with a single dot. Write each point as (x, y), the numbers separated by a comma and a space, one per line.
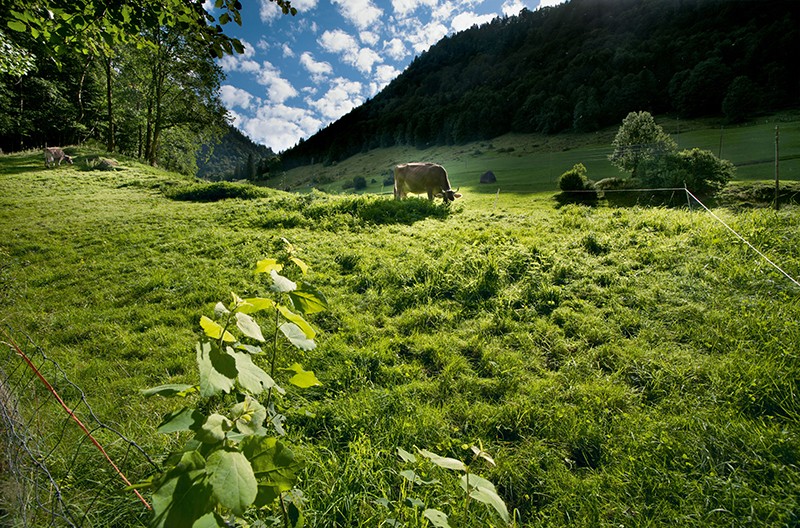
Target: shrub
(574, 179)
(214, 192)
(699, 170)
(359, 183)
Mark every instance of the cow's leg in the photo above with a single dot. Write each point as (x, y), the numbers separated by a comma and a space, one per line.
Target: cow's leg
(430, 194)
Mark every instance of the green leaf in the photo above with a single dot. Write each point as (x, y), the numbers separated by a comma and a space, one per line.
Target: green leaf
(303, 378)
(267, 494)
(184, 419)
(249, 327)
(436, 517)
(220, 309)
(411, 476)
(443, 462)
(298, 320)
(300, 264)
(217, 369)
(210, 520)
(296, 518)
(252, 377)
(297, 337)
(180, 501)
(308, 300)
(271, 460)
(214, 429)
(405, 455)
(475, 481)
(281, 284)
(16, 25)
(268, 265)
(215, 331)
(256, 304)
(250, 416)
(232, 480)
(171, 389)
(491, 498)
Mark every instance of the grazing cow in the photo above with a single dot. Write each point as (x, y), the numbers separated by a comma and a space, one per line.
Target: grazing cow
(53, 154)
(420, 178)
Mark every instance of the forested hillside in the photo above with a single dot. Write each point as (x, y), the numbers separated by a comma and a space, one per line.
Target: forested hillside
(580, 66)
(235, 157)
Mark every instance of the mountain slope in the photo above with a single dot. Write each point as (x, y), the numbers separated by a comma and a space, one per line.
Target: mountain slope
(579, 66)
(232, 158)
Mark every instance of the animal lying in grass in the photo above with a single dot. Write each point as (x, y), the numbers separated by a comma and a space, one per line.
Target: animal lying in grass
(423, 178)
(53, 154)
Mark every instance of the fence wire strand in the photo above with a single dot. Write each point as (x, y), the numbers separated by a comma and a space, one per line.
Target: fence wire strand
(60, 465)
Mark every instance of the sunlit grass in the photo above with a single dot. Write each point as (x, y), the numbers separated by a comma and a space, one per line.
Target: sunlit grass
(624, 366)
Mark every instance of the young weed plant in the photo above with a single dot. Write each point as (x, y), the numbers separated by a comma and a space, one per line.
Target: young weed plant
(236, 460)
(475, 488)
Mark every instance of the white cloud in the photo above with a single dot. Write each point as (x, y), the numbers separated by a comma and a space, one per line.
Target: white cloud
(466, 20)
(278, 88)
(344, 44)
(361, 13)
(279, 126)
(337, 41)
(549, 3)
(513, 7)
(370, 38)
(318, 70)
(232, 97)
(395, 49)
(384, 74)
(403, 7)
(341, 97)
(287, 50)
(426, 36)
(365, 59)
(243, 62)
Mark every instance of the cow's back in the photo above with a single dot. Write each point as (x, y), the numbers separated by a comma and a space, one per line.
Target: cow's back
(420, 177)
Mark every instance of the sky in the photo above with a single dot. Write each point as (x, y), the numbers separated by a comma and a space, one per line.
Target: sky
(300, 73)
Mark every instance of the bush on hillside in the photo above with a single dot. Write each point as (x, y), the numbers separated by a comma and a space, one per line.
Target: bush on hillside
(214, 192)
(699, 170)
(574, 179)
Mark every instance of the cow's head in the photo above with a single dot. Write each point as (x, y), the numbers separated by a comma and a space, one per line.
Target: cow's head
(68, 159)
(449, 195)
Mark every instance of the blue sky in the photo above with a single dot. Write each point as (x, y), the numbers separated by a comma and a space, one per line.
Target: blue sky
(300, 73)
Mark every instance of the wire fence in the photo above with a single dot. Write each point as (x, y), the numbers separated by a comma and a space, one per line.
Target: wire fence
(60, 465)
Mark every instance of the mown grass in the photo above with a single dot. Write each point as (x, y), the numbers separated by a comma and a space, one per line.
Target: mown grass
(623, 365)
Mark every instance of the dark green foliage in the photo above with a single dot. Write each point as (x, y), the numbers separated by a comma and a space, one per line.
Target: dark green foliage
(235, 156)
(699, 170)
(574, 179)
(213, 192)
(582, 66)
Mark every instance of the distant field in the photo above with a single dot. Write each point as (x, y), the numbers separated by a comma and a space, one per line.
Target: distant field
(533, 163)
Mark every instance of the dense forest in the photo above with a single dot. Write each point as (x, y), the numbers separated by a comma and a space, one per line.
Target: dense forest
(139, 77)
(580, 66)
(235, 157)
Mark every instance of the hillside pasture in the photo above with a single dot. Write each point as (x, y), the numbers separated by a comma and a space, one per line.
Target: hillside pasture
(623, 366)
(532, 163)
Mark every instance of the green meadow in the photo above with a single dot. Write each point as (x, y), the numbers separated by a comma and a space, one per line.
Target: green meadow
(623, 366)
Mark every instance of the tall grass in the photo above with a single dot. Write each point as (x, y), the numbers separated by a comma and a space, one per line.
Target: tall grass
(624, 366)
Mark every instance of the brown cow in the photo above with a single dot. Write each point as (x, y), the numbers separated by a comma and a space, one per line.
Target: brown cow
(53, 154)
(420, 178)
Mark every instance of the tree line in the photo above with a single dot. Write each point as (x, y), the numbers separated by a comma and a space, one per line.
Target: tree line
(580, 66)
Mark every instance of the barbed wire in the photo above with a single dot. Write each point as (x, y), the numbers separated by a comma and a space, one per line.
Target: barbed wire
(60, 464)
